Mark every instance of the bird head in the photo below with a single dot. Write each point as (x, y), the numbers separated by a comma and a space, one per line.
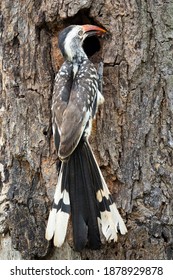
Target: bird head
(71, 39)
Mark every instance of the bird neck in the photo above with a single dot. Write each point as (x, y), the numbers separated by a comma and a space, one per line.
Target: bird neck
(73, 50)
(79, 57)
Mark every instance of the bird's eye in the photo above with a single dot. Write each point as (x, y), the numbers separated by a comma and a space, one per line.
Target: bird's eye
(80, 33)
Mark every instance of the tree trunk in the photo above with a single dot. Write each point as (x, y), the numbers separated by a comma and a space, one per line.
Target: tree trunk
(132, 136)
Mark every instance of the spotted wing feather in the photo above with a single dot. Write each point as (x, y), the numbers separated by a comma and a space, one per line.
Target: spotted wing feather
(79, 109)
(61, 95)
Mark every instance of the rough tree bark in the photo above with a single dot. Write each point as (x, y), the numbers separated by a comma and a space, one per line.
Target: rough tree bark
(133, 135)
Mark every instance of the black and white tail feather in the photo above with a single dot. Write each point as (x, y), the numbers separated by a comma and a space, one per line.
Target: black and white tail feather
(81, 190)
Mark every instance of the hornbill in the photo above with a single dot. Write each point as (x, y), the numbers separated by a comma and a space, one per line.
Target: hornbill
(81, 189)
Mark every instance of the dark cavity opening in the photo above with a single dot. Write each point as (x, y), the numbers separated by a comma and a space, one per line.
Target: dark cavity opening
(91, 44)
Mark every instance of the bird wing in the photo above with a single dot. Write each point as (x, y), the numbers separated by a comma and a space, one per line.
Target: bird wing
(78, 112)
(61, 95)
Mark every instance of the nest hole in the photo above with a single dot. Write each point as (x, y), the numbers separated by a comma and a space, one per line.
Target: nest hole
(92, 45)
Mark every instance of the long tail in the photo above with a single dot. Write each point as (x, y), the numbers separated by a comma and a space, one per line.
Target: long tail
(82, 191)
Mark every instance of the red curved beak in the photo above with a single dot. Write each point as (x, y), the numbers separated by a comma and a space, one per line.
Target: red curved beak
(92, 29)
